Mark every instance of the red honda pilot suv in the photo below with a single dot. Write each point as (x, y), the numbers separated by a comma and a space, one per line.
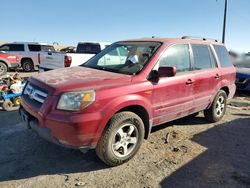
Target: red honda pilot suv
(112, 101)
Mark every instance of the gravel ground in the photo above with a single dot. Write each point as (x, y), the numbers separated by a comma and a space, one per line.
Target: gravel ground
(189, 152)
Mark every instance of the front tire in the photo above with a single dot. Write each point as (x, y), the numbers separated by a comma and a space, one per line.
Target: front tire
(218, 107)
(3, 69)
(121, 139)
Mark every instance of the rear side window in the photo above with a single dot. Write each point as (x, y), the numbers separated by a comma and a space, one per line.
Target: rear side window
(176, 56)
(202, 57)
(223, 56)
(34, 48)
(88, 48)
(16, 47)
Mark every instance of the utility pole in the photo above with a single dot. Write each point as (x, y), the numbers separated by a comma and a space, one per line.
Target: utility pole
(224, 22)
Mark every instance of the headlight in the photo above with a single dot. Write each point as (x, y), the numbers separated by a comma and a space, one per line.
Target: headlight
(76, 101)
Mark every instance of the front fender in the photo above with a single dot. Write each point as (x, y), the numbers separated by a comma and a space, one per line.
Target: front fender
(117, 104)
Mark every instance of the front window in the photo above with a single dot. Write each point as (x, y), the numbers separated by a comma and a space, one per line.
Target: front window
(176, 56)
(124, 57)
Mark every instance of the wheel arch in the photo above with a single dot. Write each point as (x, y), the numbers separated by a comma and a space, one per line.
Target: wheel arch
(143, 114)
(139, 107)
(26, 58)
(226, 89)
(4, 62)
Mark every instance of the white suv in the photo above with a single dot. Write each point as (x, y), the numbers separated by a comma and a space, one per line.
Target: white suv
(28, 53)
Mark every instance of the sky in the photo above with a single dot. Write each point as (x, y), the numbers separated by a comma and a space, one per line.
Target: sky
(68, 22)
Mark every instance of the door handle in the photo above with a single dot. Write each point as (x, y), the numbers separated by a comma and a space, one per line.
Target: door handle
(217, 76)
(189, 82)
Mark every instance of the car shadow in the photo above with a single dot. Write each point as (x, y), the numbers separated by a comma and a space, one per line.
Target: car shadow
(24, 154)
(225, 162)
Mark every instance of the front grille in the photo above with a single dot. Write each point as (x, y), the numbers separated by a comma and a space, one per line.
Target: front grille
(34, 93)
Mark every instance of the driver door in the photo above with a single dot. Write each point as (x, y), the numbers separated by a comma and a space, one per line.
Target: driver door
(173, 96)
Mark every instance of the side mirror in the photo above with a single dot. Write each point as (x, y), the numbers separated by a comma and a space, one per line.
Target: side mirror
(167, 71)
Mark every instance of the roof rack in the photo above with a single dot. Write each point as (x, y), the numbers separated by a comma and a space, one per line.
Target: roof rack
(199, 38)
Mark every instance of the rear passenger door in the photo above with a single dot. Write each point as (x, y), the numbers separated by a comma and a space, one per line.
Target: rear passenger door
(207, 76)
(173, 96)
(227, 70)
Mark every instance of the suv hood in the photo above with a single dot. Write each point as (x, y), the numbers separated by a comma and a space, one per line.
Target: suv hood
(75, 78)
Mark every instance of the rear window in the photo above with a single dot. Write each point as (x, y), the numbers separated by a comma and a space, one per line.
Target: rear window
(88, 48)
(223, 56)
(202, 57)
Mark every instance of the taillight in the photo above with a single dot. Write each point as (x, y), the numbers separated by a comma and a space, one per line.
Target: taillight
(17, 58)
(39, 59)
(67, 61)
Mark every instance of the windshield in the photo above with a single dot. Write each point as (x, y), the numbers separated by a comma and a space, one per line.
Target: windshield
(124, 57)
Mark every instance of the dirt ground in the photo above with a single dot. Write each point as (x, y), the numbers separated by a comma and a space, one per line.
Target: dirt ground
(189, 152)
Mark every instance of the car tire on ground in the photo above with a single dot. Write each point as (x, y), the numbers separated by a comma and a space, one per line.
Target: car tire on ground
(121, 139)
(218, 107)
(27, 65)
(7, 105)
(3, 69)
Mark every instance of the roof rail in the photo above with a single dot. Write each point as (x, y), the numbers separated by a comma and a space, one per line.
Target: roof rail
(199, 38)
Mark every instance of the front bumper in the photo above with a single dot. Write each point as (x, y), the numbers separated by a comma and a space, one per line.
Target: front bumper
(45, 133)
(61, 133)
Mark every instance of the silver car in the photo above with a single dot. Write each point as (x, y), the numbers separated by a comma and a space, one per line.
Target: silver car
(28, 53)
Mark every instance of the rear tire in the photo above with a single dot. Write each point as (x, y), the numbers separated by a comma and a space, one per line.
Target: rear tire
(27, 65)
(7, 105)
(218, 107)
(121, 139)
(3, 69)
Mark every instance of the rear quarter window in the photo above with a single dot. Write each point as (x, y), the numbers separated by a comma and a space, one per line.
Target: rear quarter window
(223, 56)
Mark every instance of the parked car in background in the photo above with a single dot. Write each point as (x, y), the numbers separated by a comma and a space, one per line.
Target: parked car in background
(243, 72)
(27, 52)
(84, 51)
(8, 61)
(112, 106)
